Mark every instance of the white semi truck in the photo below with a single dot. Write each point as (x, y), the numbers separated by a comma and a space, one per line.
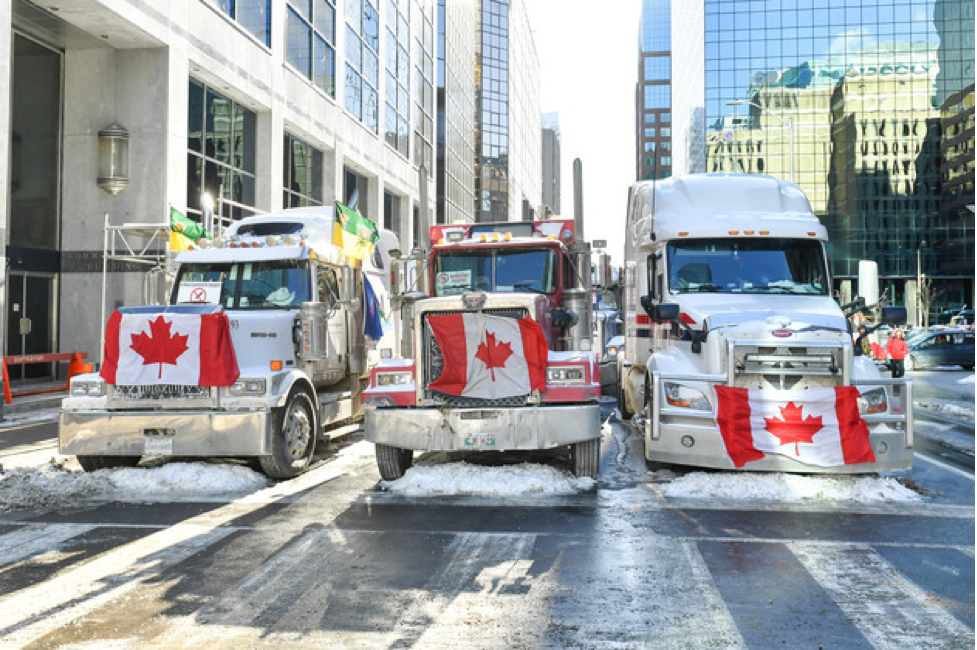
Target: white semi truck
(260, 352)
(736, 354)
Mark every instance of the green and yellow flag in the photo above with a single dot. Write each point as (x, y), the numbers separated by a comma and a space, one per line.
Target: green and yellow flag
(184, 231)
(354, 233)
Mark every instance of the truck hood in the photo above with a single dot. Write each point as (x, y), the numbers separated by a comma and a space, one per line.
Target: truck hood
(763, 312)
(261, 336)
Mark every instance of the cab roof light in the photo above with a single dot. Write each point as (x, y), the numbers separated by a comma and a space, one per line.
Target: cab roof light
(683, 234)
(734, 232)
(483, 238)
(748, 232)
(507, 237)
(811, 234)
(764, 232)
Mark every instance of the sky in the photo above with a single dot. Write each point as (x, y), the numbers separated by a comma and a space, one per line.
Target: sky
(588, 56)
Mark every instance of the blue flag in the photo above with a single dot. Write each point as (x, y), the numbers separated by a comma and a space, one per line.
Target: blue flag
(372, 326)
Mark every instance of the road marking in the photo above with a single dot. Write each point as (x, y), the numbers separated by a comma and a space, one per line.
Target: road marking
(31, 613)
(889, 609)
(34, 539)
(943, 465)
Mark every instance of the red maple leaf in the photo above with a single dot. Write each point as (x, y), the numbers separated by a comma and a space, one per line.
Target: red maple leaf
(159, 347)
(493, 354)
(792, 429)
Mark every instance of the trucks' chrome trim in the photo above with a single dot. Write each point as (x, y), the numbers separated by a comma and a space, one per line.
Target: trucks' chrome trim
(195, 433)
(456, 429)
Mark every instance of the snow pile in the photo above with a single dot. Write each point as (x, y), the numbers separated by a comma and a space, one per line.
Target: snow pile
(789, 487)
(969, 379)
(56, 485)
(454, 479)
(951, 408)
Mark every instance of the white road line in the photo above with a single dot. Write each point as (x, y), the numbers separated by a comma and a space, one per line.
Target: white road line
(888, 608)
(38, 610)
(943, 465)
(34, 539)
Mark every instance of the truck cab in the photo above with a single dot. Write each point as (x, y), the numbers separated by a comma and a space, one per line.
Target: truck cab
(727, 286)
(277, 305)
(500, 350)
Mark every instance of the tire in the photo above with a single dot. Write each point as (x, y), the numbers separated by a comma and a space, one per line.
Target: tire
(586, 458)
(95, 463)
(294, 437)
(393, 462)
(622, 407)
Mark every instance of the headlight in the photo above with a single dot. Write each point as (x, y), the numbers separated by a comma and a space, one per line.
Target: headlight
(401, 378)
(686, 397)
(87, 387)
(565, 375)
(875, 401)
(248, 387)
(611, 350)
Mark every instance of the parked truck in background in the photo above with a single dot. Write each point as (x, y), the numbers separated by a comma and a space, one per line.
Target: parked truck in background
(736, 354)
(499, 353)
(259, 353)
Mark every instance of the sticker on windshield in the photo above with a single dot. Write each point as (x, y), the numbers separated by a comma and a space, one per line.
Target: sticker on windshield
(199, 292)
(454, 281)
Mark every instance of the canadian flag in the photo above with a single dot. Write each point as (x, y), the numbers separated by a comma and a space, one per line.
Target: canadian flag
(489, 356)
(820, 426)
(152, 347)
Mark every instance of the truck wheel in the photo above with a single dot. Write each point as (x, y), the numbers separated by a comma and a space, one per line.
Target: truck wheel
(393, 462)
(293, 439)
(586, 458)
(622, 406)
(95, 463)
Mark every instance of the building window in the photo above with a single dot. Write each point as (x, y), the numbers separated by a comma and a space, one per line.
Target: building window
(362, 62)
(252, 15)
(396, 124)
(220, 152)
(658, 68)
(302, 174)
(310, 42)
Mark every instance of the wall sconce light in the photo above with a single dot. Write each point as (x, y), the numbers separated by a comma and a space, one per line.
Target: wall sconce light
(113, 159)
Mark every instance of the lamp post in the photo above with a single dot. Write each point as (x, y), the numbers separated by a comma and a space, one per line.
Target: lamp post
(789, 123)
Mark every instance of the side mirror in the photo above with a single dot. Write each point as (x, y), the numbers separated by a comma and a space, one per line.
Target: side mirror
(662, 312)
(894, 315)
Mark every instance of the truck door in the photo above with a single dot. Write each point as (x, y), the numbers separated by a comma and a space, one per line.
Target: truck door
(336, 339)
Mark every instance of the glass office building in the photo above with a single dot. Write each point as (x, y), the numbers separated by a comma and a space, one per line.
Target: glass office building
(654, 96)
(869, 107)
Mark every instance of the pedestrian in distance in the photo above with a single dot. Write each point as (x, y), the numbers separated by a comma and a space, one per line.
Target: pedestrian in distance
(897, 349)
(862, 345)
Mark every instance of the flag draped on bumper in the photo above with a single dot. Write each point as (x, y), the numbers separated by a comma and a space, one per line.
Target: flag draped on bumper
(489, 357)
(819, 426)
(187, 349)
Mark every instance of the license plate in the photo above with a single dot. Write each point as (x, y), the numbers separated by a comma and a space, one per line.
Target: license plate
(158, 446)
(480, 440)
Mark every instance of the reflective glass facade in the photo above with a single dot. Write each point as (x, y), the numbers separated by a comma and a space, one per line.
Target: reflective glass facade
(869, 107)
(654, 91)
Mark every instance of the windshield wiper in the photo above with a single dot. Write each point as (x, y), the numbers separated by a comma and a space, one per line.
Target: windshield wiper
(525, 286)
(703, 288)
(770, 289)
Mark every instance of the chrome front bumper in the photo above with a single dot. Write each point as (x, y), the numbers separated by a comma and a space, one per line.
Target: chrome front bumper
(453, 429)
(168, 433)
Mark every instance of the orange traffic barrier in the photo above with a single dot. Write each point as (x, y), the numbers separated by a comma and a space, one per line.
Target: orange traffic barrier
(76, 366)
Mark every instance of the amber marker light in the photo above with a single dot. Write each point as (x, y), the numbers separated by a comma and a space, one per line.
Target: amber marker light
(276, 365)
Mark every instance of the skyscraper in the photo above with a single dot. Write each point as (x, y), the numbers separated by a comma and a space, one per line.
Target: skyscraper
(507, 182)
(551, 163)
(867, 106)
(654, 92)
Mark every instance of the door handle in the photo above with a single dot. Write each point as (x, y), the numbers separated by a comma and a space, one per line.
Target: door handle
(25, 326)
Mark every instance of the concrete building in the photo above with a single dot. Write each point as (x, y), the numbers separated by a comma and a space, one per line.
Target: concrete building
(551, 165)
(261, 105)
(508, 148)
(867, 106)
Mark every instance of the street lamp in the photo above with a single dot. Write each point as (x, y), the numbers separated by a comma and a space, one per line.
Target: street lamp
(789, 123)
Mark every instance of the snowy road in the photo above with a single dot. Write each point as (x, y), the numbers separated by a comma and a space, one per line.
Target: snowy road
(510, 557)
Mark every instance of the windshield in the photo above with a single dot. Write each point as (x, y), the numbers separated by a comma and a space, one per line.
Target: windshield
(244, 285)
(775, 266)
(490, 269)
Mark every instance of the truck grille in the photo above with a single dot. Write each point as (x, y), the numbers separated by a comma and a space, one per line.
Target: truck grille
(434, 365)
(787, 367)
